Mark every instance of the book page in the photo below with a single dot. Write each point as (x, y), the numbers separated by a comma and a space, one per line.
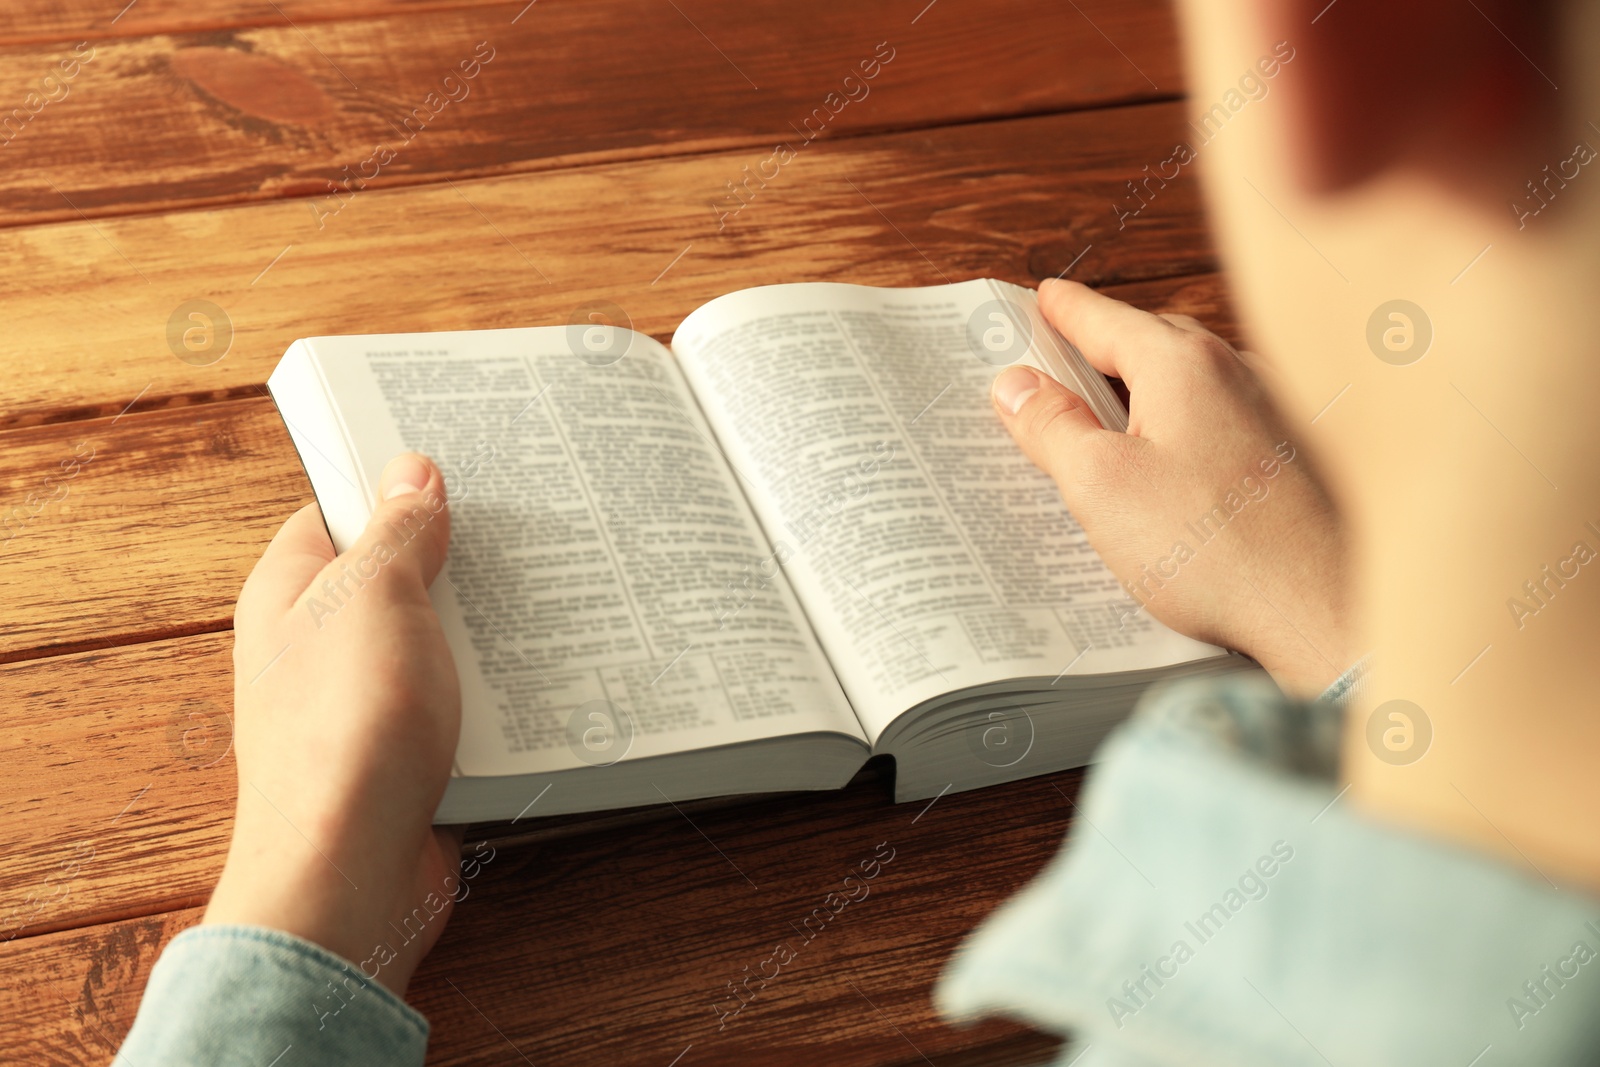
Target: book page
(929, 552)
(595, 526)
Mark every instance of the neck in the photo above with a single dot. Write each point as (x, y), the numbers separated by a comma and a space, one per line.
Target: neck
(1490, 627)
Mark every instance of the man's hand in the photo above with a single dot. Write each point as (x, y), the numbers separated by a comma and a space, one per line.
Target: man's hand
(1206, 509)
(346, 710)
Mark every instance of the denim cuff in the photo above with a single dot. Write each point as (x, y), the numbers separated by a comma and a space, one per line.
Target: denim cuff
(1349, 685)
(246, 995)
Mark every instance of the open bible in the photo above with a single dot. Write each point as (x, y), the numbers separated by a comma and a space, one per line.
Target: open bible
(797, 538)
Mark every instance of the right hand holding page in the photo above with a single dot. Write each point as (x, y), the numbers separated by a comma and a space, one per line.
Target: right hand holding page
(1208, 512)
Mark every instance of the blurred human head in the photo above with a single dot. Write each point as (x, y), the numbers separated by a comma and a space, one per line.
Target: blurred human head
(1410, 222)
(1387, 164)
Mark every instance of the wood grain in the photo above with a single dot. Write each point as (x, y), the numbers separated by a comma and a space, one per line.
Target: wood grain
(640, 929)
(82, 989)
(281, 110)
(1020, 199)
(28, 21)
(119, 787)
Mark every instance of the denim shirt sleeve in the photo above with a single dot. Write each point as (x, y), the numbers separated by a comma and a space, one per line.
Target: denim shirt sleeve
(247, 995)
(1219, 902)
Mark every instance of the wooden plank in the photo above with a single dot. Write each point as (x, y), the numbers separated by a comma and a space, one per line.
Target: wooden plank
(681, 924)
(43, 21)
(647, 926)
(171, 121)
(81, 990)
(99, 309)
(121, 530)
(119, 788)
(1149, 42)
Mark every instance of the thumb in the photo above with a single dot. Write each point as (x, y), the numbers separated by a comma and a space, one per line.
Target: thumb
(410, 529)
(1052, 424)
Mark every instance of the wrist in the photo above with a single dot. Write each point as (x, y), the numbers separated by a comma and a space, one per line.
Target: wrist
(1303, 658)
(309, 886)
(1293, 618)
(270, 887)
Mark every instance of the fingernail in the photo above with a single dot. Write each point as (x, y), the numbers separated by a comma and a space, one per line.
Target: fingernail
(1014, 386)
(406, 473)
(1049, 283)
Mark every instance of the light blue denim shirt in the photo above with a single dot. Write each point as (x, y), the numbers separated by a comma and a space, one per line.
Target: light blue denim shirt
(1217, 903)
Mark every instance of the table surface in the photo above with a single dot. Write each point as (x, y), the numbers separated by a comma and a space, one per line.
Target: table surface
(164, 155)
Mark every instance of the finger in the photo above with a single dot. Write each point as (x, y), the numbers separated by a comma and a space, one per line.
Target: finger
(1186, 323)
(1052, 424)
(1191, 325)
(409, 533)
(1116, 338)
(297, 552)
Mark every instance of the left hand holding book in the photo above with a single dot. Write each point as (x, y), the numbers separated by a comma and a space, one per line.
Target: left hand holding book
(345, 728)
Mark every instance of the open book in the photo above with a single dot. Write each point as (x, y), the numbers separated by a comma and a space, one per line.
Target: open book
(798, 538)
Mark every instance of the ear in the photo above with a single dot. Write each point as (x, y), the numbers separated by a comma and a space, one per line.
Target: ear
(1458, 88)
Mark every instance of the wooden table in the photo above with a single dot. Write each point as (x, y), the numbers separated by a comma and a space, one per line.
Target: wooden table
(189, 156)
